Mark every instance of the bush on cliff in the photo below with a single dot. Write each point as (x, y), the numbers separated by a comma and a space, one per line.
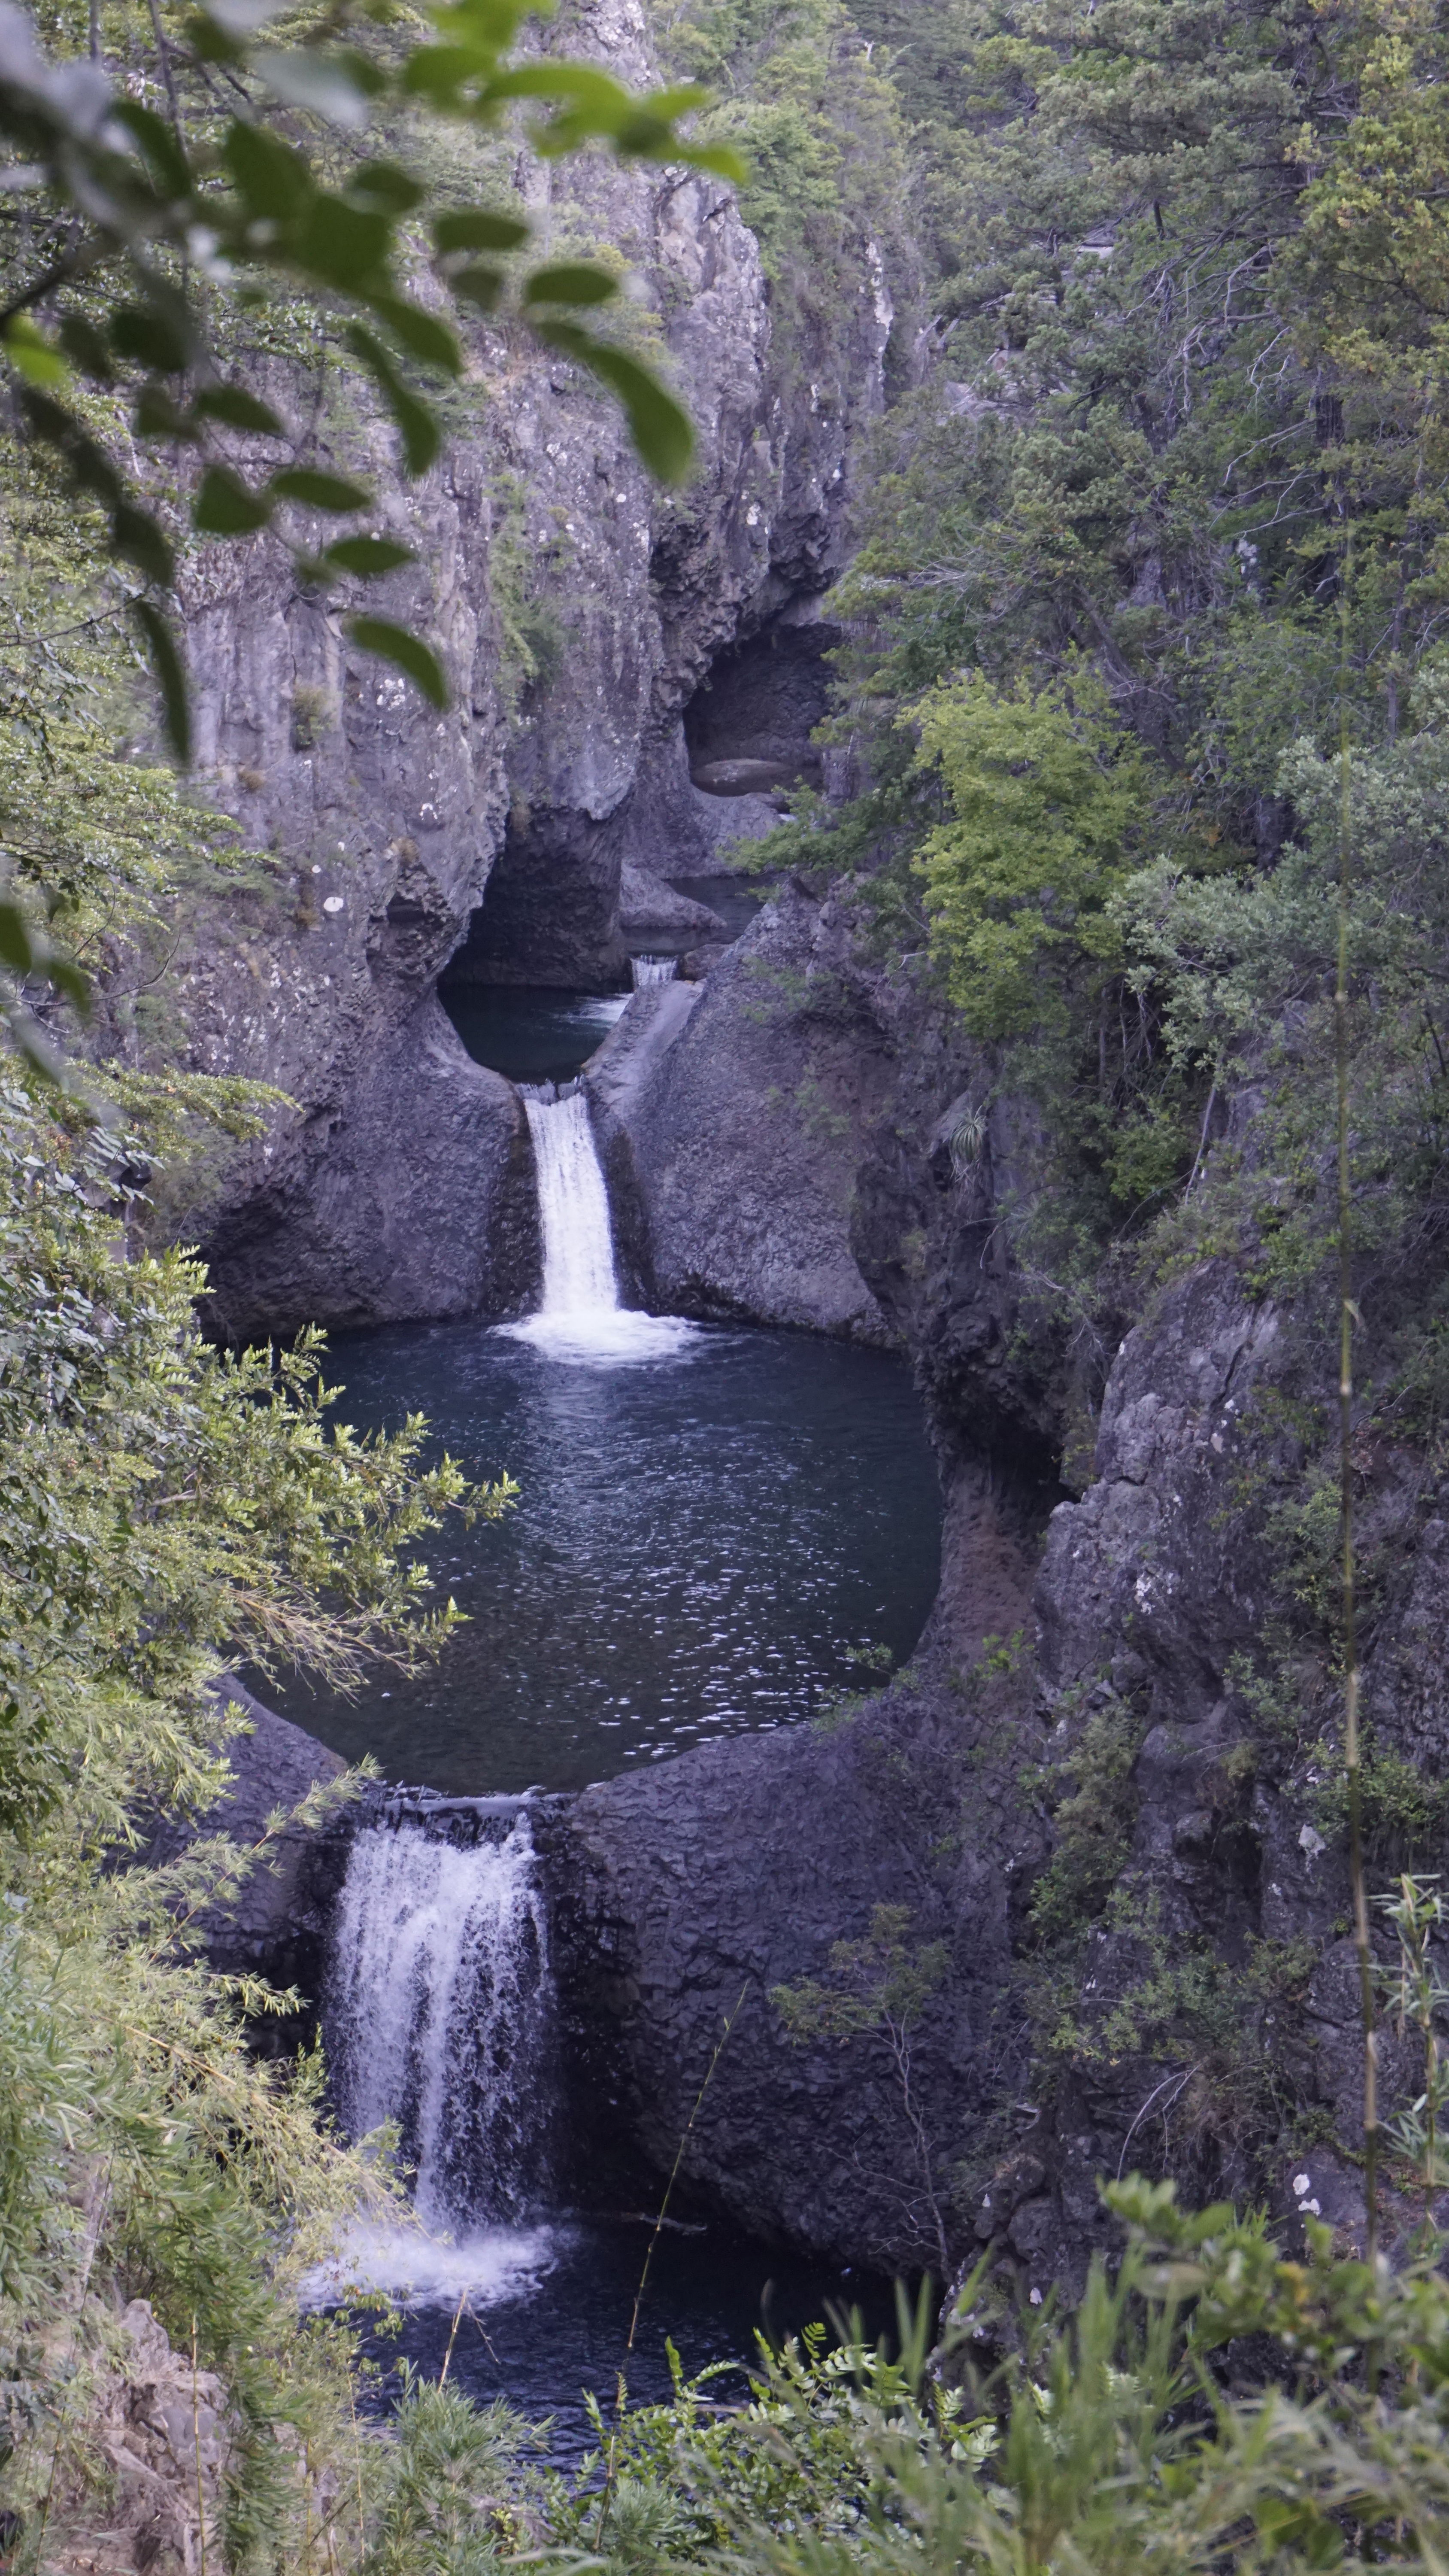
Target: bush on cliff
(166, 1510)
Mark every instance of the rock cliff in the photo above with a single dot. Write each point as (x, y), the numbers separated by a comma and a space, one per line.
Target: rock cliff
(800, 1142)
(578, 611)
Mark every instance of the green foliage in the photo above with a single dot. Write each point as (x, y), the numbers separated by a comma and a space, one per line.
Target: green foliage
(452, 2496)
(1048, 795)
(883, 1981)
(1405, 1810)
(1175, 488)
(1089, 1794)
(256, 170)
(817, 126)
(1418, 1995)
(791, 2451)
(1127, 2436)
(166, 1509)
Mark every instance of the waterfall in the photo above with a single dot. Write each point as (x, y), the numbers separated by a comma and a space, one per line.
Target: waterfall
(652, 970)
(573, 1207)
(439, 2016)
(581, 1317)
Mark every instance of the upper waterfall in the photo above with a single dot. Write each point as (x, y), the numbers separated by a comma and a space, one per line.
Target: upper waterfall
(581, 1317)
(578, 1249)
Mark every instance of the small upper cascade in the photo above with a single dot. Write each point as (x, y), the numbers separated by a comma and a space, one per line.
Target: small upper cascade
(439, 2016)
(652, 970)
(581, 1317)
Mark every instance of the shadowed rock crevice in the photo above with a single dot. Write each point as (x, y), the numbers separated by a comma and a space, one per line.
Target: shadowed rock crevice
(747, 728)
(567, 903)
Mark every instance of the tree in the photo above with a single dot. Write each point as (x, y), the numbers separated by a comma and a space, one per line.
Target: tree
(129, 229)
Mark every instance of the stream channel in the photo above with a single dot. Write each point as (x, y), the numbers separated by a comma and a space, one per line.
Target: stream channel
(718, 1530)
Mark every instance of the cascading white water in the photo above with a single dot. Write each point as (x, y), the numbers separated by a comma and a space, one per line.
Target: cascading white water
(581, 1317)
(652, 970)
(439, 2013)
(573, 1208)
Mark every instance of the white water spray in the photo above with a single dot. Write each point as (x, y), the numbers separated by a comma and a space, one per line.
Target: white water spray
(438, 2016)
(581, 1317)
(573, 1208)
(652, 970)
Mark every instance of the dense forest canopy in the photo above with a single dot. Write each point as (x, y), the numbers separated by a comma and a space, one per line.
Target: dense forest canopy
(1160, 499)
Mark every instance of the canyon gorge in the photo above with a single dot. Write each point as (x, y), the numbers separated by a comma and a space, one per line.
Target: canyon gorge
(818, 1062)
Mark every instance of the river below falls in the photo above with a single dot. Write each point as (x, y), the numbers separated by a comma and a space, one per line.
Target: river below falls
(547, 2312)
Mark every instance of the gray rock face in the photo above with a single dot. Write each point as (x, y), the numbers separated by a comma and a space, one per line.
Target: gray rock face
(577, 611)
(276, 1922)
(424, 1202)
(799, 1145)
(685, 1897)
(730, 1116)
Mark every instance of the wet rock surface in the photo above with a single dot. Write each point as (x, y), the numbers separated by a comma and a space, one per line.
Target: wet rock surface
(423, 1202)
(730, 1116)
(687, 1897)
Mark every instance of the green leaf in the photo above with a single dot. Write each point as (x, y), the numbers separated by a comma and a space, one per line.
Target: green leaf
(156, 415)
(421, 334)
(415, 424)
(33, 355)
(17, 945)
(395, 644)
(170, 675)
(224, 507)
(570, 282)
(85, 347)
(90, 466)
(343, 245)
(271, 178)
(682, 100)
(439, 71)
(238, 409)
(601, 102)
(474, 228)
(661, 430)
(486, 24)
(720, 158)
(151, 339)
(478, 285)
(336, 86)
(211, 44)
(139, 539)
(160, 146)
(368, 557)
(68, 978)
(320, 491)
(382, 183)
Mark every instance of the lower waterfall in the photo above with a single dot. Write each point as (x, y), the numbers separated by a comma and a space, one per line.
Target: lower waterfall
(439, 2017)
(652, 970)
(581, 1317)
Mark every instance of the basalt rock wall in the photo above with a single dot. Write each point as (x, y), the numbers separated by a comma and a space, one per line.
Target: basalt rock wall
(1126, 1699)
(578, 610)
